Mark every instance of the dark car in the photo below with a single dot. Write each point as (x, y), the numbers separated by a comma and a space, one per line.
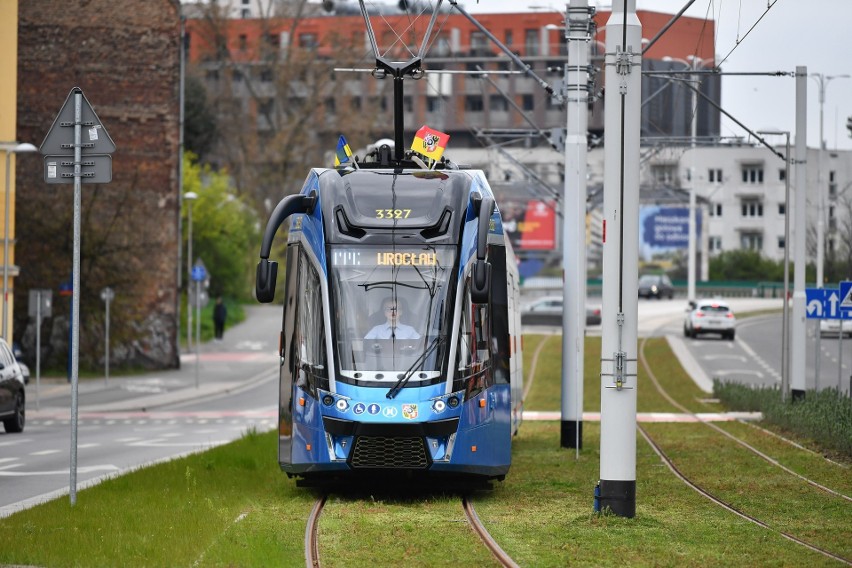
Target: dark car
(12, 393)
(655, 286)
(548, 311)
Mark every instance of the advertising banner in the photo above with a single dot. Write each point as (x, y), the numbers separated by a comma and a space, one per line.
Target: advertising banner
(665, 229)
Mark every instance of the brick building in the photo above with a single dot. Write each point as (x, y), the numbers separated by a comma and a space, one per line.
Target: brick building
(124, 55)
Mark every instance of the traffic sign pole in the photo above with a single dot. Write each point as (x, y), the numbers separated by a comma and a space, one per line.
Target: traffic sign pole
(56, 147)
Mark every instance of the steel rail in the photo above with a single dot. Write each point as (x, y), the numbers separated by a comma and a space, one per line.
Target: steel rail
(501, 556)
(727, 506)
(724, 432)
(311, 530)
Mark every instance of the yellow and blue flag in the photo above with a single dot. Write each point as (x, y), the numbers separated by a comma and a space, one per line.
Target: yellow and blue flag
(343, 152)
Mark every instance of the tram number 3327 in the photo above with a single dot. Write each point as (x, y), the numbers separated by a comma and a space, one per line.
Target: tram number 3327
(392, 213)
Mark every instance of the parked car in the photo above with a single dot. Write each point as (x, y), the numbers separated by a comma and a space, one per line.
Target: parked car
(835, 327)
(548, 311)
(19, 356)
(12, 392)
(710, 316)
(655, 286)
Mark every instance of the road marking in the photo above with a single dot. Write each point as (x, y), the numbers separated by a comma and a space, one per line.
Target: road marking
(750, 352)
(128, 440)
(88, 469)
(10, 466)
(92, 445)
(8, 459)
(45, 452)
(718, 357)
(727, 372)
(16, 442)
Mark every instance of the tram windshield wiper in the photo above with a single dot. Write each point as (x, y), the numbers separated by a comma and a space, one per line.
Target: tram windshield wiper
(407, 375)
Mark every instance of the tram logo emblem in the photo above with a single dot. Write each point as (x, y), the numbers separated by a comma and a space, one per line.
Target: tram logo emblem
(374, 408)
(389, 412)
(409, 411)
(359, 408)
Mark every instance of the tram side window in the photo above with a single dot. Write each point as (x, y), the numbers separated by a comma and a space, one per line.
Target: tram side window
(311, 352)
(474, 336)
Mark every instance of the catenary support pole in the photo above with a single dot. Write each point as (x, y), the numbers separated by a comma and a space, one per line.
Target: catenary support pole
(797, 325)
(622, 102)
(75, 287)
(578, 24)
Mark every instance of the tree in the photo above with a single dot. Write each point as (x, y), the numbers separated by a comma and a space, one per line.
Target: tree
(199, 120)
(224, 230)
(278, 107)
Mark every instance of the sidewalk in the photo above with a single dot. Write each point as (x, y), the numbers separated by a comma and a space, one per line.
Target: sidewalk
(247, 355)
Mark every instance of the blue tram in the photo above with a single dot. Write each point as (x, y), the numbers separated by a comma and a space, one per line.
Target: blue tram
(400, 347)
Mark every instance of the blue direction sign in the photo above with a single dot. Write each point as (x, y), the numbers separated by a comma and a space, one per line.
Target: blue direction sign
(199, 273)
(828, 303)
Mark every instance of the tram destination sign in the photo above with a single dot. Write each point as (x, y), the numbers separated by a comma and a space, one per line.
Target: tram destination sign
(829, 303)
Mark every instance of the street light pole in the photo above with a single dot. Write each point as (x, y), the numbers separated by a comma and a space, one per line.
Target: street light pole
(822, 81)
(189, 197)
(11, 148)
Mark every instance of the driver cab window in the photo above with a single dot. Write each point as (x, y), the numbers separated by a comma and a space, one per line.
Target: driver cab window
(474, 336)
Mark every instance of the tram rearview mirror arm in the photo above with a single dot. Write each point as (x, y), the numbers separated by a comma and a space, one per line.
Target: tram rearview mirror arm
(481, 281)
(267, 271)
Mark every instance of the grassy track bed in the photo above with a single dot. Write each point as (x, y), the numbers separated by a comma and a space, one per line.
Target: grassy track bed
(809, 464)
(387, 530)
(542, 514)
(753, 486)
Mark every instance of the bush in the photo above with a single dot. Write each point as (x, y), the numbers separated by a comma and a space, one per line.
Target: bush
(823, 416)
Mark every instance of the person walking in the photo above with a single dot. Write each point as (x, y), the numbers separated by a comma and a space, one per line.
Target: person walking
(220, 314)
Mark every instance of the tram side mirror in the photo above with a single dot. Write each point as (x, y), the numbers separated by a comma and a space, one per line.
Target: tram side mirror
(480, 286)
(267, 273)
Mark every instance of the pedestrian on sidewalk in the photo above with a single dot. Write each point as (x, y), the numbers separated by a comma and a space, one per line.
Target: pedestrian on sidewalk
(220, 314)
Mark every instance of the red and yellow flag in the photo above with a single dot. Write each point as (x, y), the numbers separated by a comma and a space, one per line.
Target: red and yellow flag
(429, 142)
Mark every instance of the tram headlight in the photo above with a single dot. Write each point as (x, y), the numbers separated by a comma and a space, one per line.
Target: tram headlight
(328, 400)
(453, 401)
(439, 406)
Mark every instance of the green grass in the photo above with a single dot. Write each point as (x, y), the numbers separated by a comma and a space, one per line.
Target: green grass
(232, 506)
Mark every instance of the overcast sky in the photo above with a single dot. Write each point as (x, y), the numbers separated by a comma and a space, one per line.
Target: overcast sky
(814, 33)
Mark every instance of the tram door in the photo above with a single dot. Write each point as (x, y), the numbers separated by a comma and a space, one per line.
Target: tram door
(288, 355)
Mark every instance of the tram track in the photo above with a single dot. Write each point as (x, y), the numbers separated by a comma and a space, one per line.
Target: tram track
(751, 449)
(312, 557)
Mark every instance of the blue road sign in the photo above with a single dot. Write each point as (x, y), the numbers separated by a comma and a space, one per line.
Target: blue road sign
(199, 273)
(827, 303)
(846, 295)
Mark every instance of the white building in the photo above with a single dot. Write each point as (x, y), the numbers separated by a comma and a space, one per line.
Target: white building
(740, 188)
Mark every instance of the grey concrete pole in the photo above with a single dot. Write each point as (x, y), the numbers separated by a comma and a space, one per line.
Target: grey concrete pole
(75, 285)
(578, 22)
(797, 327)
(6, 249)
(690, 261)
(623, 64)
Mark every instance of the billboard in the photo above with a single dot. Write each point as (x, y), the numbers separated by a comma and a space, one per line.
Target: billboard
(665, 229)
(529, 223)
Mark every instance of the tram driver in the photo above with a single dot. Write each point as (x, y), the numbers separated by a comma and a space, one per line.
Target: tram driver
(392, 328)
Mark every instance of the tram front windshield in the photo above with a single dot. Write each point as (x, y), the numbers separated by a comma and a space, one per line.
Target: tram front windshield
(391, 311)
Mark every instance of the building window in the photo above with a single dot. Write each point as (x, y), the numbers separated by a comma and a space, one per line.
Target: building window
(498, 103)
(243, 42)
(308, 41)
(714, 175)
(408, 104)
(715, 209)
(527, 102)
(433, 104)
(212, 75)
(781, 243)
(272, 40)
(832, 185)
(752, 208)
(664, 173)
(236, 76)
(266, 75)
(478, 43)
(752, 174)
(715, 244)
(355, 103)
(245, 13)
(265, 107)
(782, 174)
(330, 106)
(473, 103)
(782, 208)
(509, 38)
(531, 42)
(751, 241)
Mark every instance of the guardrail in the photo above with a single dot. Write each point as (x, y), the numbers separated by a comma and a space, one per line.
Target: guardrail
(552, 286)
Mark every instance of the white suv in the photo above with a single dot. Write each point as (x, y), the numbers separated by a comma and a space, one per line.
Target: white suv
(709, 316)
(12, 392)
